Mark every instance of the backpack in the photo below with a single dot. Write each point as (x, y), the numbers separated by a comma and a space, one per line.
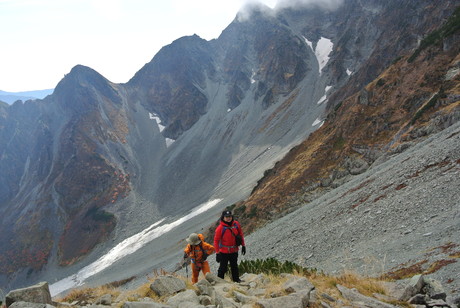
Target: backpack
(238, 239)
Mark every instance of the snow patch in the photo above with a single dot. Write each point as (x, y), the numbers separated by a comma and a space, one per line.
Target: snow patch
(323, 49)
(154, 116)
(309, 43)
(322, 99)
(349, 72)
(126, 247)
(252, 76)
(318, 121)
(169, 142)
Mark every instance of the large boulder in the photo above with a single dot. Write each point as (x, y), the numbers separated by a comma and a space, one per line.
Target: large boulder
(167, 285)
(30, 305)
(189, 297)
(357, 298)
(144, 305)
(295, 284)
(39, 293)
(289, 301)
(414, 287)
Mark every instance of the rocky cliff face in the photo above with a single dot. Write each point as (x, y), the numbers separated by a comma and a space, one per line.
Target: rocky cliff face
(417, 95)
(205, 119)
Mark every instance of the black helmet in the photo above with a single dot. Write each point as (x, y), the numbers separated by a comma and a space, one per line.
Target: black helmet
(226, 213)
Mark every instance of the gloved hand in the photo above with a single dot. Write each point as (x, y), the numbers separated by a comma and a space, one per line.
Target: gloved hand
(205, 256)
(243, 250)
(185, 256)
(218, 257)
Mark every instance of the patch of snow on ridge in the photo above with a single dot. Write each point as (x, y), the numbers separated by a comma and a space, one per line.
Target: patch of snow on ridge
(317, 121)
(126, 247)
(349, 72)
(322, 99)
(252, 76)
(309, 43)
(169, 142)
(323, 49)
(155, 117)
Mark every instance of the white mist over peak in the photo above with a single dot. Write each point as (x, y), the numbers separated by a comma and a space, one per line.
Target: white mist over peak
(329, 5)
(246, 11)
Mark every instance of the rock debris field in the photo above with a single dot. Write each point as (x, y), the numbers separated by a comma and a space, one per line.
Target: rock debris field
(402, 211)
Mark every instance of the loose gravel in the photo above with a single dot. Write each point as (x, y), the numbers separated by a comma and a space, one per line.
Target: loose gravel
(403, 210)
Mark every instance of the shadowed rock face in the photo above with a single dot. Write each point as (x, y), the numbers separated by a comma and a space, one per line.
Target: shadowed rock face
(90, 158)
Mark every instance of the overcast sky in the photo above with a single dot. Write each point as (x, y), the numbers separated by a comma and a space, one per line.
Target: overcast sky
(43, 39)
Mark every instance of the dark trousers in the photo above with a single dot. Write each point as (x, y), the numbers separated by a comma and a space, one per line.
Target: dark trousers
(233, 259)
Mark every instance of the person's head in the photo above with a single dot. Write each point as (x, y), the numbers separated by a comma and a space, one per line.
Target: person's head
(226, 216)
(193, 239)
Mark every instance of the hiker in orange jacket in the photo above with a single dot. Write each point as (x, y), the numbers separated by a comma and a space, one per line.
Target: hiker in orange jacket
(198, 250)
(227, 238)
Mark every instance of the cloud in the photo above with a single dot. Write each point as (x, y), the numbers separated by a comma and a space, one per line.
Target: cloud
(108, 9)
(324, 4)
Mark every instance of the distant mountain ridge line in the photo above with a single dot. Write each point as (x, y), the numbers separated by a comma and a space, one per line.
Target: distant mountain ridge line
(11, 97)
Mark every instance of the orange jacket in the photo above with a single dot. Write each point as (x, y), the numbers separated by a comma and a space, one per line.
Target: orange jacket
(195, 252)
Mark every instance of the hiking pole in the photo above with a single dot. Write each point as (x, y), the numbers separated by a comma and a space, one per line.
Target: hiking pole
(186, 269)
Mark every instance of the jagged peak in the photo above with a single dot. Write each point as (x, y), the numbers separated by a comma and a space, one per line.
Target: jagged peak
(82, 76)
(80, 73)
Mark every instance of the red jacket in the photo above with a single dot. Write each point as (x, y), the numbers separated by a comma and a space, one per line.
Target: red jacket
(224, 240)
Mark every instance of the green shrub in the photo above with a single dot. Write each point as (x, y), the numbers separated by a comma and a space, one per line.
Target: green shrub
(272, 266)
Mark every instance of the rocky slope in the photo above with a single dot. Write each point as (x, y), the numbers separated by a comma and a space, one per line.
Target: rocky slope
(286, 290)
(401, 216)
(97, 162)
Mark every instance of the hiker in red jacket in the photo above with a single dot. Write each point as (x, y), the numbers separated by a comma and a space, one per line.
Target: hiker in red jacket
(227, 238)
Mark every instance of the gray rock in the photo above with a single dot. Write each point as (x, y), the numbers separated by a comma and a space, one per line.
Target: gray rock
(205, 288)
(325, 305)
(39, 293)
(144, 305)
(354, 296)
(206, 300)
(418, 299)
(288, 301)
(296, 284)
(414, 287)
(188, 296)
(190, 305)
(225, 302)
(256, 292)
(328, 297)
(105, 299)
(213, 279)
(167, 285)
(244, 299)
(436, 303)
(21, 304)
(434, 289)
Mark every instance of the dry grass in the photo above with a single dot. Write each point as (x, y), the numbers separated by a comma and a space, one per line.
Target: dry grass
(88, 294)
(365, 285)
(276, 285)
